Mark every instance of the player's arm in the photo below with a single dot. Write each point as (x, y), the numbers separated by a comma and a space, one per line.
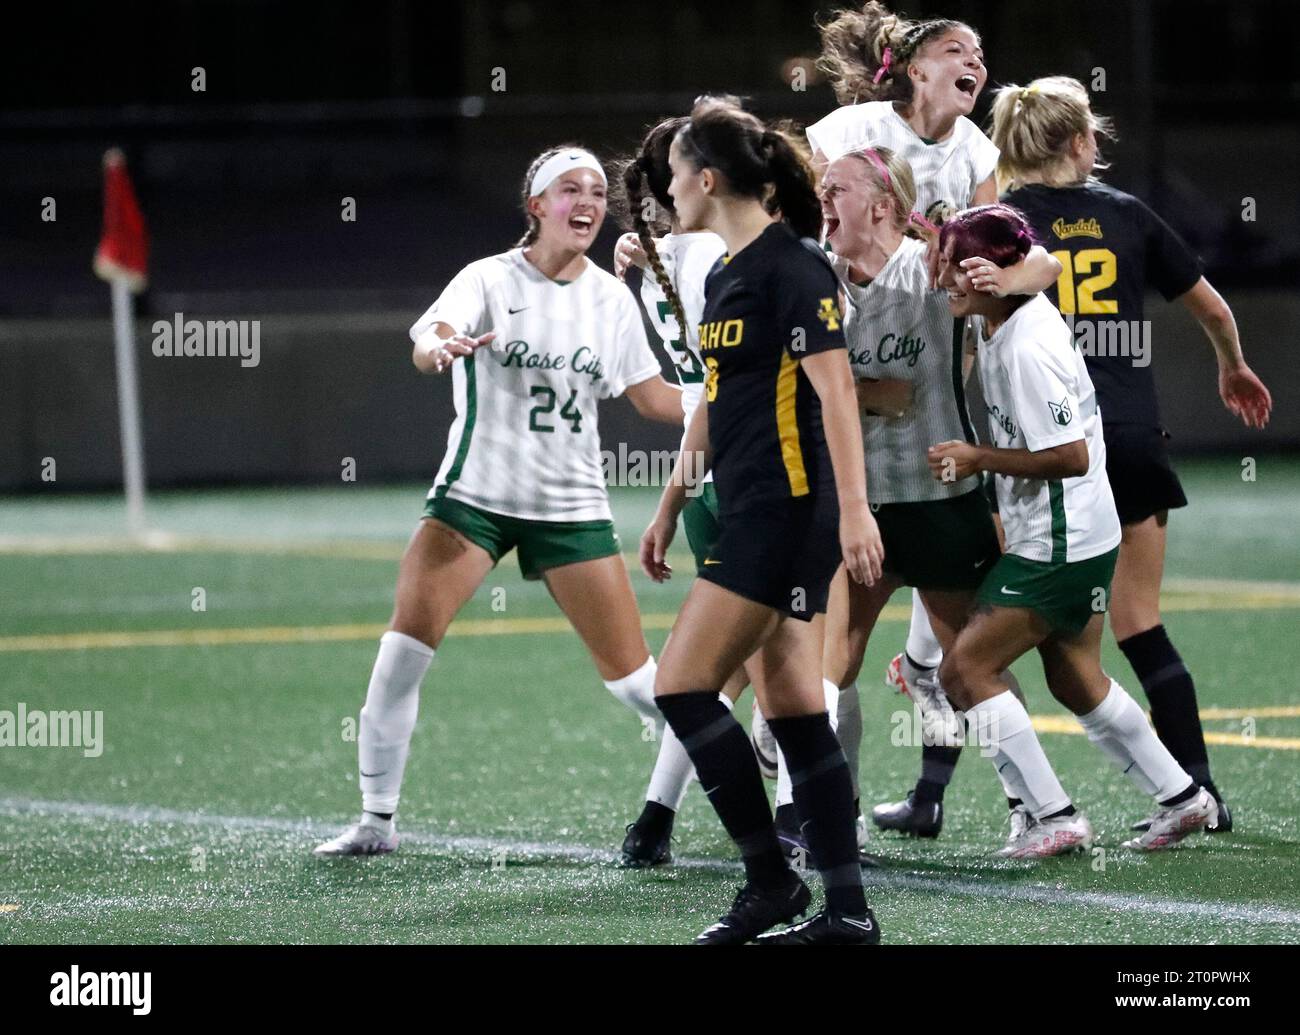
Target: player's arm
(952, 461)
(832, 380)
(1242, 392)
(693, 463)
(437, 348)
(656, 399)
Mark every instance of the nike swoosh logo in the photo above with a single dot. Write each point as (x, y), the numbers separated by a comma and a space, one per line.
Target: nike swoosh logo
(860, 925)
(520, 310)
(707, 563)
(1012, 592)
(711, 790)
(375, 774)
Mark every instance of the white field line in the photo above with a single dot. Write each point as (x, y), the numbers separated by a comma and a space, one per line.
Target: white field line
(486, 847)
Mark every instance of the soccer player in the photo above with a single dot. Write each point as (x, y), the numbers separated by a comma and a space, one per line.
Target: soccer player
(1112, 248)
(780, 432)
(1049, 590)
(534, 338)
(909, 87)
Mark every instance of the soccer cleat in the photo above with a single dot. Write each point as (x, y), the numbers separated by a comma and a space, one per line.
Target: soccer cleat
(1220, 824)
(895, 677)
(790, 836)
(755, 910)
(1170, 825)
(372, 836)
(1040, 838)
(907, 817)
(760, 736)
(827, 928)
(646, 845)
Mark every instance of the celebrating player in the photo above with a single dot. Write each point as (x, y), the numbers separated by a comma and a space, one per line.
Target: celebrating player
(522, 468)
(1049, 590)
(909, 87)
(1112, 247)
(781, 434)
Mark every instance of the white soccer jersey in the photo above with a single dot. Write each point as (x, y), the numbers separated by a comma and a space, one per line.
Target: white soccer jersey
(687, 259)
(525, 441)
(946, 172)
(898, 329)
(1039, 395)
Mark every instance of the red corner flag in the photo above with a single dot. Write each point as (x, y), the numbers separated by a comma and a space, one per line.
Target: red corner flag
(124, 248)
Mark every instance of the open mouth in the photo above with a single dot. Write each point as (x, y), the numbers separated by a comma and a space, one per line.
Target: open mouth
(830, 225)
(968, 84)
(581, 224)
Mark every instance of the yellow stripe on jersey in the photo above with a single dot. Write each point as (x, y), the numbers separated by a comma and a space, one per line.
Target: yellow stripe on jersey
(787, 425)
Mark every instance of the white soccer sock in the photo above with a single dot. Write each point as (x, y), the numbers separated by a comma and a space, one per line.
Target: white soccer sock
(673, 771)
(388, 718)
(922, 645)
(784, 788)
(850, 729)
(1119, 727)
(637, 691)
(1014, 684)
(1001, 726)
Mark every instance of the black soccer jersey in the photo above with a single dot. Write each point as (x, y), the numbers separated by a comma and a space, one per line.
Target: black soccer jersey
(766, 309)
(1111, 247)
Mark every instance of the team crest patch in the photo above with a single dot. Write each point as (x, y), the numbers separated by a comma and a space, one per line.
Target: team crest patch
(1061, 411)
(829, 314)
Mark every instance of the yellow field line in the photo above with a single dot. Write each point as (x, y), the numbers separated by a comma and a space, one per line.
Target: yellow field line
(1070, 726)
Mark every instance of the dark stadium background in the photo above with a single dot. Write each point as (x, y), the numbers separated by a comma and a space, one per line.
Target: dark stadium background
(391, 103)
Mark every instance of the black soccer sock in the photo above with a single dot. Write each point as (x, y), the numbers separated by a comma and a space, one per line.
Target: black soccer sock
(1172, 694)
(823, 798)
(937, 764)
(656, 817)
(724, 762)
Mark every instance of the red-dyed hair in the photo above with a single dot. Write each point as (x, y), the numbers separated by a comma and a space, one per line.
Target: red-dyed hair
(998, 233)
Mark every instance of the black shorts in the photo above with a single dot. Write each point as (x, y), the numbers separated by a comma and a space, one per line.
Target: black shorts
(1141, 477)
(940, 544)
(781, 554)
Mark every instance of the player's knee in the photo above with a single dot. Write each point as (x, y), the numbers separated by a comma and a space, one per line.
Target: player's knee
(958, 677)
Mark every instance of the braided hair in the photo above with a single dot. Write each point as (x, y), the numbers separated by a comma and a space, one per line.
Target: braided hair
(649, 169)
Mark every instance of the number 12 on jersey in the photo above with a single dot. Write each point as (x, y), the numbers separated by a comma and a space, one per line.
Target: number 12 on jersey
(1085, 302)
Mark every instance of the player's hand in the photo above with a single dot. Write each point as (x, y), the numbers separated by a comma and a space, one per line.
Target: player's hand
(1244, 394)
(991, 279)
(654, 547)
(860, 542)
(628, 252)
(952, 461)
(444, 352)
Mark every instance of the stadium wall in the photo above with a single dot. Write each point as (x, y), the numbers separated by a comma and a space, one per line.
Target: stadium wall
(330, 387)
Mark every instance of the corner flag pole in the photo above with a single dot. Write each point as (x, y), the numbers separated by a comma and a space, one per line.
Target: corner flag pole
(121, 259)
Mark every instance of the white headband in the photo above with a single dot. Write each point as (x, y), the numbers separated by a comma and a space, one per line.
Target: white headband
(557, 165)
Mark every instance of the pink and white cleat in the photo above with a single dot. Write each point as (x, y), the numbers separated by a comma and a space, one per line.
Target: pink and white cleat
(1040, 838)
(1169, 826)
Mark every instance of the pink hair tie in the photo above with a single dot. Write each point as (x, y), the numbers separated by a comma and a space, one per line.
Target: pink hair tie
(916, 219)
(885, 62)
